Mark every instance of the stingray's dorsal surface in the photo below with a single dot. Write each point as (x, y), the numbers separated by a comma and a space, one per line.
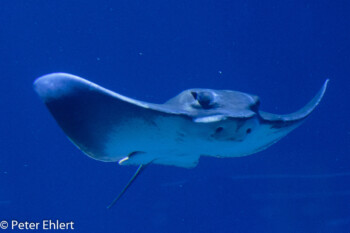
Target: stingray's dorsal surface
(110, 127)
(202, 103)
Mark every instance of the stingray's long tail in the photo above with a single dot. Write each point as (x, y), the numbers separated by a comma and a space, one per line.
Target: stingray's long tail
(132, 179)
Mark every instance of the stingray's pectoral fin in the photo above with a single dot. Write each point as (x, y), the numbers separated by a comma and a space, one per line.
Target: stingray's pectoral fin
(274, 127)
(89, 114)
(293, 119)
(132, 179)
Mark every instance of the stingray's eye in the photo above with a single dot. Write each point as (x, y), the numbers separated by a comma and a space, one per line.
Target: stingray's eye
(249, 130)
(204, 98)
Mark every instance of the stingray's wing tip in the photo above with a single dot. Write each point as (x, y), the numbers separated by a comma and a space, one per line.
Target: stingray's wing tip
(325, 84)
(309, 107)
(54, 85)
(302, 113)
(317, 99)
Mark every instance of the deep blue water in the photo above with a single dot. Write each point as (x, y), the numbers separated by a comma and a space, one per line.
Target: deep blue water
(281, 51)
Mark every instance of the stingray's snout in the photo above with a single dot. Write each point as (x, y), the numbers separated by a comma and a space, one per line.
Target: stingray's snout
(56, 85)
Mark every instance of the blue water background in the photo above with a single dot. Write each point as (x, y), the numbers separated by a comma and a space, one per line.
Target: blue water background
(281, 51)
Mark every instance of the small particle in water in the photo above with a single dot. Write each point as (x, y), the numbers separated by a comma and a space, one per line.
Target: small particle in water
(220, 72)
(25, 165)
(98, 59)
(5, 172)
(140, 53)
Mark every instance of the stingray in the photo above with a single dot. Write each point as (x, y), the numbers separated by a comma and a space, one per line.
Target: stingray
(111, 127)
